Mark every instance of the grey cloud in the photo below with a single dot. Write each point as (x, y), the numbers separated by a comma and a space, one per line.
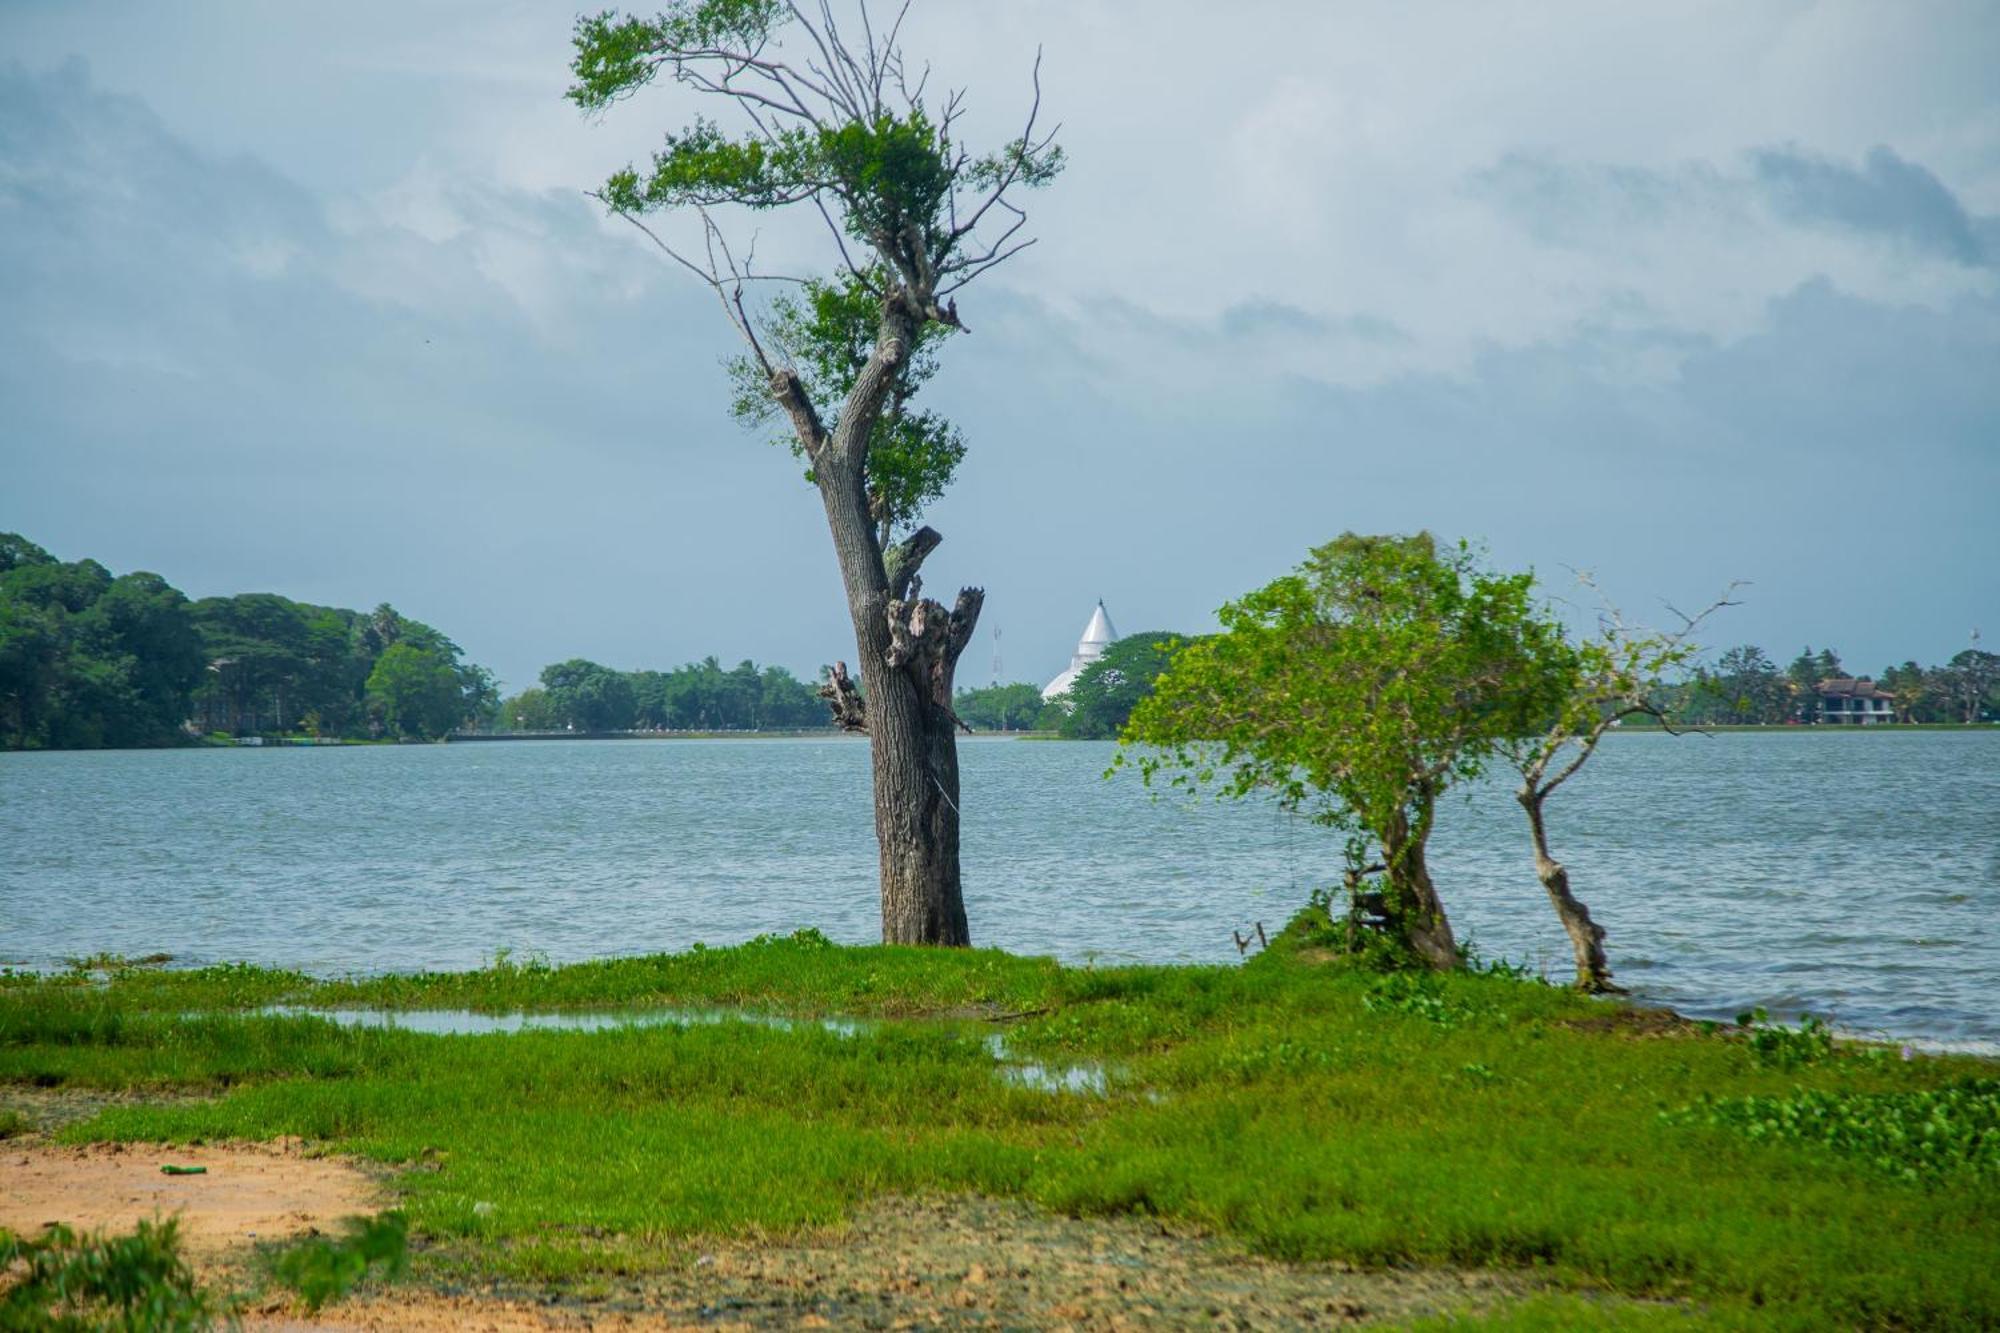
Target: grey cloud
(1888, 195)
(1255, 319)
(1566, 203)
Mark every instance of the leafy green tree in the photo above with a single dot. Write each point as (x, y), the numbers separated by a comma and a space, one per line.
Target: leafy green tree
(31, 660)
(1360, 689)
(1016, 707)
(1103, 696)
(138, 660)
(1747, 687)
(417, 691)
(258, 646)
(1970, 681)
(16, 551)
(831, 126)
(69, 588)
(584, 696)
(1914, 692)
(530, 710)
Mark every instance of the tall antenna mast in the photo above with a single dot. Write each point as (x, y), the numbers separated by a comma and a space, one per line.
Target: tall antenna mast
(996, 654)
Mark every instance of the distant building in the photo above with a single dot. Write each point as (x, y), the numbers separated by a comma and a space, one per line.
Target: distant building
(1097, 636)
(1855, 702)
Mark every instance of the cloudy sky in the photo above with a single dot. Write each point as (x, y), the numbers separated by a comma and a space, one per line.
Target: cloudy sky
(1680, 294)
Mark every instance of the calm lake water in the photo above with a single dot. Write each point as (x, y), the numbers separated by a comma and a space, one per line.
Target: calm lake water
(1851, 874)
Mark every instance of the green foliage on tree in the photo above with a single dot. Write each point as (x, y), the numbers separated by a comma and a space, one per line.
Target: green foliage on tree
(416, 692)
(89, 660)
(16, 550)
(1017, 707)
(826, 334)
(701, 696)
(1970, 683)
(1359, 689)
(530, 710)
(584, 696)
(1102, 697)
(1744, 687)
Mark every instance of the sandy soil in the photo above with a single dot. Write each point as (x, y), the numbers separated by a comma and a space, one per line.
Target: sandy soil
(249, 1193)
(953, 1263)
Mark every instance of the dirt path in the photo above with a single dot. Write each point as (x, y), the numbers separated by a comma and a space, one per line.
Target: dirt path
(247, 1193)
(955, 1263)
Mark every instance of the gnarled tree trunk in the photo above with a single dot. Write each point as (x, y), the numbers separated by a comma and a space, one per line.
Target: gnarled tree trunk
(1412, 905)
(1586, 937)
(908, 647)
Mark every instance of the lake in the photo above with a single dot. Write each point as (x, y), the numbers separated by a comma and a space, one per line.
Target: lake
(1851, 874)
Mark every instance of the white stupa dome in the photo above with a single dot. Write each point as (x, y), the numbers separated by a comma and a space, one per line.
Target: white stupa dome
(1097, 636)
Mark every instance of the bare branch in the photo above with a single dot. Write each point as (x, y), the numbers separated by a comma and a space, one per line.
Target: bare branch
(906, 557)
(843, 699)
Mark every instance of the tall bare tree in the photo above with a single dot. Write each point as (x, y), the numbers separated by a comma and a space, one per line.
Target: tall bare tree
(832, 120)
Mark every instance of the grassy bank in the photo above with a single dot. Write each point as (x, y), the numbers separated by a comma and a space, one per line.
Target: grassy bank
(1310, 1111)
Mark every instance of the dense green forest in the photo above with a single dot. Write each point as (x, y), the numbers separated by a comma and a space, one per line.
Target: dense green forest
(88, 659)
(1746, 687)
(580, 695)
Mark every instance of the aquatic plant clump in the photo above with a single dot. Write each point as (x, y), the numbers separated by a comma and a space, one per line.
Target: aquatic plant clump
(1927, 1135)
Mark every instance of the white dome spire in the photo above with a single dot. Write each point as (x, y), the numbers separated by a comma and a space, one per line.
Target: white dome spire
(1097, 636)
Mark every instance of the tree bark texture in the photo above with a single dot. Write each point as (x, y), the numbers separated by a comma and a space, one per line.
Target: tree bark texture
(1413, 907)
(1586, 937)
(908, 648)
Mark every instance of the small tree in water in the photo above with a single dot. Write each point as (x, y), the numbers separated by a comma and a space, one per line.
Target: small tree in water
(1359, 689)
(831, 124)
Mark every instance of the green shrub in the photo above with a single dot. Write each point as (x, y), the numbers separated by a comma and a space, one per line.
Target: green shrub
(131, 1282)
(322, 1270)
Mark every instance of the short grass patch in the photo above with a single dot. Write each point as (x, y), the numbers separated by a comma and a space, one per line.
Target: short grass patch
(1311, 1112)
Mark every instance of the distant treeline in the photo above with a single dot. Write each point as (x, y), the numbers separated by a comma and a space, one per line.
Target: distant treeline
(91, 660)
(579, 695)
(1745, 687)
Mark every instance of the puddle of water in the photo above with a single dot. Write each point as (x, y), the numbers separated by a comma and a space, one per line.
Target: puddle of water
(1083, 1079)
(469, 1023)
(1086, 1079)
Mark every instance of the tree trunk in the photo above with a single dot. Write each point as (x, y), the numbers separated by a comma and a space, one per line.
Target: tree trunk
(1413, 908)
(916, 812)
(1586, 937)
(908, 648)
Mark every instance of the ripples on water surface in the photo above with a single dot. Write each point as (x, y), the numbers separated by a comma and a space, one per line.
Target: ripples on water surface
(1856, 874)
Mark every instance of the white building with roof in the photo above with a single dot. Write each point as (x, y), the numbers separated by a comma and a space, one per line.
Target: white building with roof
(1097, 636)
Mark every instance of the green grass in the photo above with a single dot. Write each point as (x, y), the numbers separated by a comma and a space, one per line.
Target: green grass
(1313, 1112)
